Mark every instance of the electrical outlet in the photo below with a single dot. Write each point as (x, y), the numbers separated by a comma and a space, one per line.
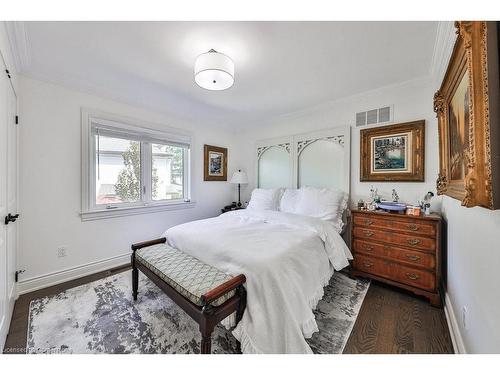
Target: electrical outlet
(61, 252)
(465, 317)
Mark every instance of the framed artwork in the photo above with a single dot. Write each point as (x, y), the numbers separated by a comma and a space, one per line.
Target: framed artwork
(215, 163)
(466, 104)
(393, 153)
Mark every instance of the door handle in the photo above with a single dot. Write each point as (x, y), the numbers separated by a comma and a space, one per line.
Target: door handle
(10, 218)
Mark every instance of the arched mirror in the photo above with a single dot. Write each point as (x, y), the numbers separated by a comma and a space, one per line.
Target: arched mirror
(321, 163)
(274, 167)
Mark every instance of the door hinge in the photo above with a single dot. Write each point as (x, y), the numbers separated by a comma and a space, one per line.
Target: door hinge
(18, 272)
(17, 119)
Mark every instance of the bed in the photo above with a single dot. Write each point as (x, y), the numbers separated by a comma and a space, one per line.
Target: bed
(287, 243)
(287, 260)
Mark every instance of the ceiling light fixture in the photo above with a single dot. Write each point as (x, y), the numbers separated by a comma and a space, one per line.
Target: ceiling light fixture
(214, 71)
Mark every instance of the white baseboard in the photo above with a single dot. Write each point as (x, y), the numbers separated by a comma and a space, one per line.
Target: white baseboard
(53, 278)
(453, 326)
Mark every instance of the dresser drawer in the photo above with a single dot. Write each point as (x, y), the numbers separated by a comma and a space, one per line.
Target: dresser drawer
(410, 257)
(414, 277)
(396, 272)
(411, 241)
(404, 224)
(372, 265)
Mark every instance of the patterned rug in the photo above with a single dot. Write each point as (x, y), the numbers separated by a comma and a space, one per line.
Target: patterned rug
(101, 317)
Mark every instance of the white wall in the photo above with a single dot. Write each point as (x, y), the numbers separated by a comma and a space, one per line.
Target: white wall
(50, 186)
(412, 101)
(473, 275)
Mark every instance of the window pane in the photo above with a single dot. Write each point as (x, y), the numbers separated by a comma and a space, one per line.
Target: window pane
(168, 172)
(118, 170)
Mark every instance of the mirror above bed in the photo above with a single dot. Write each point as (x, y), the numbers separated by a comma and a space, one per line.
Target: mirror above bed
(319, 159)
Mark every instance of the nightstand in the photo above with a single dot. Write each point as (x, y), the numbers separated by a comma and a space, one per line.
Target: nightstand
(400, 250)
(223, 210)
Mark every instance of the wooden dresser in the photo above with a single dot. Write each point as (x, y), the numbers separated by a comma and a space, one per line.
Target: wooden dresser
(400, 250)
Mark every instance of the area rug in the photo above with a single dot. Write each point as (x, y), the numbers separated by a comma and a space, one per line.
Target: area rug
(101, 317)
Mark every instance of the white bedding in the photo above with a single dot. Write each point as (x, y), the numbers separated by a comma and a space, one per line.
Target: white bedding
(287, 260)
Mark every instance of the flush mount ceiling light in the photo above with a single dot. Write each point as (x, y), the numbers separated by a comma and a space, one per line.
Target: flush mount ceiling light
(214, 71)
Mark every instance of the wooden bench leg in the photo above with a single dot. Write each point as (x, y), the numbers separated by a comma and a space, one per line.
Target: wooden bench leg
(241, 292)
(206, 344)
(135, 283)
(207, 325)
(135, 279)
(206, 338)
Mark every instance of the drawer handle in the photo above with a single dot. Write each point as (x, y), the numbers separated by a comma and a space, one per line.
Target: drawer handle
(368, 222)
(412, 226)
(412, 257)
(368, 247)
(413, 241)
(368, 233)
(412, 276)
(367, 264)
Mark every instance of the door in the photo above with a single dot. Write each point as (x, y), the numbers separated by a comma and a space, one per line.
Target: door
(8, 202)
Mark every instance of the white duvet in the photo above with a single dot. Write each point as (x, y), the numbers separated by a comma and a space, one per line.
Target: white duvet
(287, 260)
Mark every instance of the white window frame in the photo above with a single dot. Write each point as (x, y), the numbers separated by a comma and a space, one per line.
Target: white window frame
(147, 133)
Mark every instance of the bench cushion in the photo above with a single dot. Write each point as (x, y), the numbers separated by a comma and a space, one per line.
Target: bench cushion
(189, 276)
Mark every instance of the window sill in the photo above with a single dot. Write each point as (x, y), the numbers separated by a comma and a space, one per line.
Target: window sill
(128, 211)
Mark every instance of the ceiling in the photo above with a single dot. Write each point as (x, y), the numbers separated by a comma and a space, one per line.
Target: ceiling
(280, 67)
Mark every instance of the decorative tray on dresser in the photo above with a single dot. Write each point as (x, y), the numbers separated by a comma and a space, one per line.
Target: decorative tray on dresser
(400, 250)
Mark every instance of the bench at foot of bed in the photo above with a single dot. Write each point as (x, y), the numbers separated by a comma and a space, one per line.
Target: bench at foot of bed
(206, 294)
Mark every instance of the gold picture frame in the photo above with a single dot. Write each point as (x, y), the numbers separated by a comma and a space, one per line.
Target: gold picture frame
(393, 153)
(466, 105)
(215, 163)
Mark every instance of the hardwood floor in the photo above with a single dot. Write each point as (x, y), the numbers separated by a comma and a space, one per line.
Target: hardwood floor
(394, 321)
(390, 321)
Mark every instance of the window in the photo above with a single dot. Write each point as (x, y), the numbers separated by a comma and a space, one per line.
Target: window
(131, 169)
(118, 171)
(168, 172)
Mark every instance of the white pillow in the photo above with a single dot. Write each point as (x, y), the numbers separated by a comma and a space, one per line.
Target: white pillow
(323, 203)
(289, 200)
(264, 199)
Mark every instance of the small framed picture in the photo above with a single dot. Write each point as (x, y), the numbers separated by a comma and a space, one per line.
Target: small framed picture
(215, 163)
(393, 153)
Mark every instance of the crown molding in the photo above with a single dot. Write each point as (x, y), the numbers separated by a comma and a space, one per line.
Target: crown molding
(19, 44)
(443, 47)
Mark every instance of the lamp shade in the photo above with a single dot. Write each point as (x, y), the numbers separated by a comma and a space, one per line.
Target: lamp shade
(214, 71)
(239, 178)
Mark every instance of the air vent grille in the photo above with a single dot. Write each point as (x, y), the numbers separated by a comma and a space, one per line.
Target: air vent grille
(374, 116)
(360, 118)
